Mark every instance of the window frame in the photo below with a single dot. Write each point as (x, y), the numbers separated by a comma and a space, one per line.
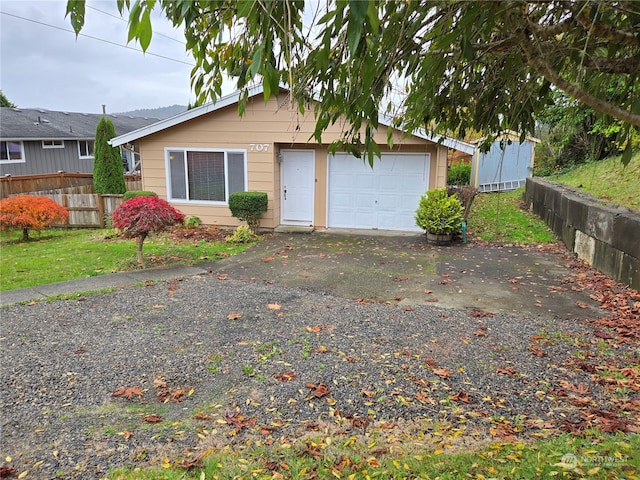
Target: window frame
(184, 151)
(86, 157)
(54, 143)
(9, 160)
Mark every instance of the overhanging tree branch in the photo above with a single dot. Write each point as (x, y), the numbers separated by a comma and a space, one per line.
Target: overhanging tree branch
(540, 65)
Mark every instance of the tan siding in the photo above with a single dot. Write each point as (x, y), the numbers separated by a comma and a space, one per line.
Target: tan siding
(270, 125)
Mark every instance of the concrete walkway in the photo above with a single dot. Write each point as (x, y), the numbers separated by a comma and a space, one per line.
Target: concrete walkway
(99, 282)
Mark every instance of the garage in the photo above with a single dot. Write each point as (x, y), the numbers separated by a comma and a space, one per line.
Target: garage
(383, 198)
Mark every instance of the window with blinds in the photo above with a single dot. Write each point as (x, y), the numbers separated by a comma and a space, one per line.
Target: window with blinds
(206, 175)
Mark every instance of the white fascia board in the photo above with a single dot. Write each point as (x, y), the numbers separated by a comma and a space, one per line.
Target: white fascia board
(448, 142)
(222, 102)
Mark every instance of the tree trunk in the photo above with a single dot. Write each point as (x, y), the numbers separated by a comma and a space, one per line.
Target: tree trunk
(140, 242)
(25, 234)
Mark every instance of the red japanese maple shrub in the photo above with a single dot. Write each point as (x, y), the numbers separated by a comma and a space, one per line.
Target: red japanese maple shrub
(30, 212)
(140, 216)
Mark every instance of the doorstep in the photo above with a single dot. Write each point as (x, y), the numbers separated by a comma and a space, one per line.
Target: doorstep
(293, 229)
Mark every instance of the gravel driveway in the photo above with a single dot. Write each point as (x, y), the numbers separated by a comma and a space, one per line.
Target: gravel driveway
(169, 369)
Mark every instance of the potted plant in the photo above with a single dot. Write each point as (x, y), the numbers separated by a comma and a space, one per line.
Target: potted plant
(440, 215)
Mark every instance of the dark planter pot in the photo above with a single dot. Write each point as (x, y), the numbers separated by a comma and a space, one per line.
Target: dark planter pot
(439, 239)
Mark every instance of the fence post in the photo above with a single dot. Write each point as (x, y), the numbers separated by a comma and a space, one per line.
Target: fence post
(10, 185)
(65, 204)
(100, 202)
(61, 172)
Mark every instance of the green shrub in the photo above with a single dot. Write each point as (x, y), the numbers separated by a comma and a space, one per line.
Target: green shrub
(248, 207)
(459, 174)
(108, 173)
(192, 222)
(440, 213)
(138, 193)
(242, 234)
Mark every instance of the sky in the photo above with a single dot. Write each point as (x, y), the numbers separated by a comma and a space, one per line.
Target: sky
(43, 65)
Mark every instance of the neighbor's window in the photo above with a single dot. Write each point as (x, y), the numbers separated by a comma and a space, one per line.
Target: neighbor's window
(85, 148)
(52, 143)
(11, 152)
(205, 175)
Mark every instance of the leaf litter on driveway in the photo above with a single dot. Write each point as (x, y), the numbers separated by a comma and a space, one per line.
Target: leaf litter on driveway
(446, 377)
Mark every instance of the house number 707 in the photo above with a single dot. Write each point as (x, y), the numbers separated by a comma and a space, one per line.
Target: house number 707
(259, 147)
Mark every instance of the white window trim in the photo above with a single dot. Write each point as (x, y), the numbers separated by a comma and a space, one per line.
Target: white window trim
(53, 145)
(167, 170)
(85, 157)
(22, 158)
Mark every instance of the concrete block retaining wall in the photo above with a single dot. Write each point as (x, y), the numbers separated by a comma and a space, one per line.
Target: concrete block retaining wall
(606, 237)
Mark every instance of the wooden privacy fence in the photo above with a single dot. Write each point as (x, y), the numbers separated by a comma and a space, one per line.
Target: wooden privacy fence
(47, 182)
(86, 210)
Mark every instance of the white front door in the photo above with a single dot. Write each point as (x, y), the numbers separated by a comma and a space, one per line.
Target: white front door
(297, 170)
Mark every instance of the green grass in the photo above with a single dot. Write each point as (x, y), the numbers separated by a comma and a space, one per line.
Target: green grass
(501, 218)
(566, 457)
(59, 255)
(607, 180)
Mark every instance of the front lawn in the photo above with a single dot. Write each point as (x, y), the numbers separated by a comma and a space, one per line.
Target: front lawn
(502, 217)
(60, 255)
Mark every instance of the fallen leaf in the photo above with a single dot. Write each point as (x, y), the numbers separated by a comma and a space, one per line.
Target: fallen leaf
(273, 306)
(442, 372)
(178, 395)
(234, 316)
(461, 397)
(506, 370)
(268, 259)
(320, 390)
(127, 392)
(222, 276)
(239, 421)
(159, 383)
(152, 418)
(127, 434)
(286, 376)
(536, 351)
(424, 397)
(202, 416)
(317, 328)
(77, 352)
(6, 472)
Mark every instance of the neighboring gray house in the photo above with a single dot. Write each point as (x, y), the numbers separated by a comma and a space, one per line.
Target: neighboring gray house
(506, 166)
(34, 141)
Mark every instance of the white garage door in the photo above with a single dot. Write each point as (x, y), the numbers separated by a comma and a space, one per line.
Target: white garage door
(385, 197)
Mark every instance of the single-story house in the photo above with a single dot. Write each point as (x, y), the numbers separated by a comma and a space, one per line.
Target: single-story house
(198, 158)
(507, 164)
(36, 141)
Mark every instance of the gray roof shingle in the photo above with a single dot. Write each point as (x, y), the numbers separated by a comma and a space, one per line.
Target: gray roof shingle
(39, 124)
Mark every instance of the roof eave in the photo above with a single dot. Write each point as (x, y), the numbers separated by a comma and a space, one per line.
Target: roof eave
(233, 97)
(222, 102)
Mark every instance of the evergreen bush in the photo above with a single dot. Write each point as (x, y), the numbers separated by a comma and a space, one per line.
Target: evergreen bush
(138, 193)
(248, 207)
(108, 172)
(439, 213)
(459, 174)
